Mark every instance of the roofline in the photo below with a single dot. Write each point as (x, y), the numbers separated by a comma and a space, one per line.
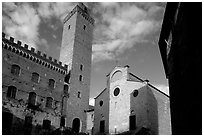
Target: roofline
(100, 93)
(158, 90)
(150, 85)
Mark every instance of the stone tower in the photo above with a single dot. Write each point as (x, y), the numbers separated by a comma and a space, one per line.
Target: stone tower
(76, 51)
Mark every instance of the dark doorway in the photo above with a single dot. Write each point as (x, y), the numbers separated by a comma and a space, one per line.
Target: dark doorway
(7, 119)
(76, 125)
(28, 125)
(132, 122)
(102, 126)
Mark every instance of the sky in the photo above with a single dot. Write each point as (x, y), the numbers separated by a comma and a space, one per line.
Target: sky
(125, 33)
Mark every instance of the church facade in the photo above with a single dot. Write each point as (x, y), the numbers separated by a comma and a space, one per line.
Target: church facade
(39, 93)
(130, 105)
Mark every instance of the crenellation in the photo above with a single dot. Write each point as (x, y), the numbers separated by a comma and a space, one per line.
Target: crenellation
(55, 61)
(39, 53)
(50, 58)
(66, 66)
(60, 63)
(31, 54)
(32, 50)
(19, 43)
(11, 39)
(44, 55)
(26, 46)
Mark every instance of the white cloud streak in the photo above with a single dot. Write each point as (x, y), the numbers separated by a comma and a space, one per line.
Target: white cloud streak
(126, 25)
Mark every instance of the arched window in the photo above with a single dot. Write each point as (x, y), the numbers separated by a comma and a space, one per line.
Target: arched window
(35, 77)
(66, 87)
(11, 92)
(49, 102)
(51, 83)
(15, 70)
(32, 98)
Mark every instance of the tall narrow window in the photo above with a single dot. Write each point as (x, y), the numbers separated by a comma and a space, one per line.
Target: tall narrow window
(80, 78)
(35, 77)
(32, 98)
(11, 92)
(66, 87)
(62, 121)
(102, 126)
(49, 102)
(132, 122)
(69, 27)
(15, 70)
(84, 27)
(51, 83)
(46, 124)
(81, 67)
(79, 95)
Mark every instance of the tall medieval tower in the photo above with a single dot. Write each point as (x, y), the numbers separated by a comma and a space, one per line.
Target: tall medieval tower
(76, 51)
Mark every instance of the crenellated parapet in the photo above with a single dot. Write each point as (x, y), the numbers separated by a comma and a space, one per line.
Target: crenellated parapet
(82, 9)
(31, 54)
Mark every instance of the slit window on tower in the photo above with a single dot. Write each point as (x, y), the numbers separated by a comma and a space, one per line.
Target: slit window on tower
(69, 27)
(80, 78)
(79, 95)
(81, 67)
(84, 27)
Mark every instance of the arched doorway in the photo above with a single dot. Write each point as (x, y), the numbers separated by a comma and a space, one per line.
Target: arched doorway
(76, 125)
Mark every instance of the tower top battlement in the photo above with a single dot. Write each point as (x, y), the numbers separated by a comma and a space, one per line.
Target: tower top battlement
(83, 10)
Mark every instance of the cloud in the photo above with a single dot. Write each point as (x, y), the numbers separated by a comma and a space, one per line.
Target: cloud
(122, 26)
(163, 88)
(92, 101)
(55, 9)
(21, 21)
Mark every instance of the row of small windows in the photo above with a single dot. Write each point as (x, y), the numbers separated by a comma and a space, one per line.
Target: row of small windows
(11, 93)
(15, 70)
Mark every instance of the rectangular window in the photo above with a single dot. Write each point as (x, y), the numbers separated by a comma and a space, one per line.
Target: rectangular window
(46, 124)
(62, 121)
(102, 126)
(49, 102)
(69, 27)
(132, 121)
